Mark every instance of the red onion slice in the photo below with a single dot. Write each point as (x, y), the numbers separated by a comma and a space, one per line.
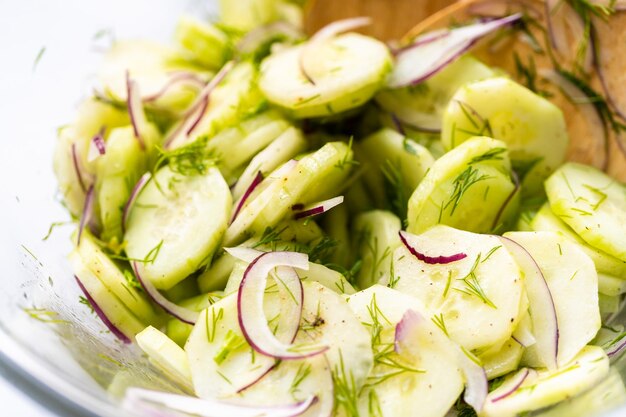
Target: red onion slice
(251, 315)
(561, 18)
(100, 313)
(183, 314)
(255, 183)
(317, 208)
(182, 77)
(212, 408)
(328, 32)
(97, 147)
(243, 253)
(77, 169)
(135, 109)
(476, 386)
(133, 196)
(543, 312)
(520, 378)
(195, 112)
(440, 259)
(86, 214)
(423, 59)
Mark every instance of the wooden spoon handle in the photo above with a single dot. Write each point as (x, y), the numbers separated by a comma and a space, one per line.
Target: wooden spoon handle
(391, 18)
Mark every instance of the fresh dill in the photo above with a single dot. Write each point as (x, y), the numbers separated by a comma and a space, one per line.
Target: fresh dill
(347, 159)
(40, 54)
(602, 196)
(148, 259)
(270, 235)
(131, 280)
(491, 252)
(481, 126)
(495, 154)
(396, 190)
(393, 278)
(346, 391)
(528, 75)
(83, 300)
(466, 179)
(321, 251)
(231, 343)
(472, 285)
(448, 282)
(372, 247)
(373, 405)
(439, 322)
(193, 159)
(211, 327)
(53, 227)
(304, 370)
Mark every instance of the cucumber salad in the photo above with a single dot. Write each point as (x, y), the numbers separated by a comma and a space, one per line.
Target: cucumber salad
(336, 226)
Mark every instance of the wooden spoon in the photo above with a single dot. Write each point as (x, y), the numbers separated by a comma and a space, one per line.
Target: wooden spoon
(394, 19)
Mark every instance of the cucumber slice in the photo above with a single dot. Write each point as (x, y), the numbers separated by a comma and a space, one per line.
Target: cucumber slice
(347, 71)
(592, 204)
(328, 320)
(91, 116)
(544, 388)
(573, 283)
(150, 64)
(468, 188)
(337, 225)
(378, 238)
(245, 15)
(236, 146)
(205, 43)
(115, 311)
(479, 297)
(101, 266)
(178, 331)
(504, 361)
(611, 286)
(221, 360)
(396, 165)
(118, 170)
(285, 147)
(609, 304)
(316, 177)
(165, 355)
(423, 105)
(392, 386)
(547, 221)
(176, 229)
(234, 98)
(507, 111)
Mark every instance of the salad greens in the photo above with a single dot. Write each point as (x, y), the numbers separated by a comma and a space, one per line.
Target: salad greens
(329, 227)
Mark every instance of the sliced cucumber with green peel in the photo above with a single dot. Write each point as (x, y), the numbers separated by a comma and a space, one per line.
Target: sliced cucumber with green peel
(205, 43)
(114, 279)
(342, 73)
(166, 355)
(504, 361)
(176, 224)
(315, 177)
(378, 238)
(468, 188)
(116, 312)
(573, 283)
(399, 384)
(285, 147)
(395, 166)
(539, 389)
(118, 170)
(531, 126)
(547, 221)
(422, 105)
(236, 96)
(592, 204)
(611, 286)
(478, 296)
(178, 331)
(247, 14)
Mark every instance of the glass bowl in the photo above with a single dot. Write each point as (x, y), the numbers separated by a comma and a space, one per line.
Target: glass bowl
(51, 345)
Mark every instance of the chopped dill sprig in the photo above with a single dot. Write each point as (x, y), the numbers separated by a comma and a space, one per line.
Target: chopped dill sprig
(40, 54)
(232, 342)
(480, 125)
(472, 285)
(321, 251)
(393, 278)
(373, 405)
(495, 154)
(491, 252)
(439, 322)
(347, 159)
(304, 370)
(193, 159)
(528, 74)
(396, 189)
(346, 391)
(270, 235)
(53, 227)
(148, 259)
(132, 281)
(211, 327)
(466, 179)
(83, 300)
(602, 196)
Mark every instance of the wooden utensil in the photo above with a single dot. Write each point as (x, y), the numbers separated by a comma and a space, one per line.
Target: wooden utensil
(393, 19)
